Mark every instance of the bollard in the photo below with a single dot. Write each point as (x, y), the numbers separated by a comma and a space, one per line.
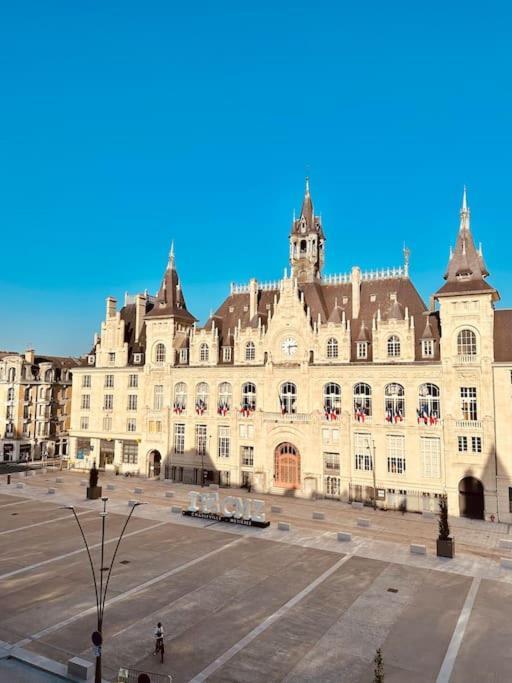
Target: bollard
(506, 543)
(111, 487)
(20, 485)
(417, 549)
(59, 480)
(344, 536)
(176, 509)
(357, 506)
(169, 494)
(506, 562)
(318, 515)
(131, 503)
(138, 490)
(276, 508)
(283, 526)
(363, 521)
(51, 490)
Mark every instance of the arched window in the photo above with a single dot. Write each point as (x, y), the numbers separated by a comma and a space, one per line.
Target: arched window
(429, 404)
(466, 343)
(303, 247)
(225, 398)
(248, 404)
(204, 352)
(48, 376)
(332, 400)
(10, 394)
(11, 375)
(362, 401)
(288, 398)
(201, 398)
(180, 398)
(394, 402)
(160, 353)
(250, 351)
(26, 397)
(393, 346)
(42, 393)
(332, 348)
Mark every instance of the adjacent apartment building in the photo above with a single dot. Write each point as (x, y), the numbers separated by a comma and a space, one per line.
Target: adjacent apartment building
(346, 386)
(35, 405)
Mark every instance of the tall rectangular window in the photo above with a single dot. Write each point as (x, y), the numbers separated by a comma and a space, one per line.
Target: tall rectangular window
(431, 457)
(396, 454)
(85, 402)
(462, 444)
(158, 397)
(109, 381)
(108, 402)
(133, 381)
(179, 439)
(247, 456)
(224, 442)
(84, 422)
(132, 401)
(362, 452)
(86, 381)
(476, 444)
(107, 423)
(201, 437)
(111, 358)
(362, 350)
(130, 452)
(427, 346)
(131, 424)
(468, 403)
(332, 462)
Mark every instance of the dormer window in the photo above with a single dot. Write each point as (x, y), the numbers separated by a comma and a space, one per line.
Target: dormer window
(362, 350)
(373, 298)
(226, 354)
(427, 348)
(183, 355)
(464, 275)
(111, 358)
(393, 346)
(90, 360)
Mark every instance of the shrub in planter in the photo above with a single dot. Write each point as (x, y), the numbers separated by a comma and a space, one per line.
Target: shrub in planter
(93, 490)
(445, 543)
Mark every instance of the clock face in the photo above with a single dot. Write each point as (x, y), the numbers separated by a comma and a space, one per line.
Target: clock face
(289, 346)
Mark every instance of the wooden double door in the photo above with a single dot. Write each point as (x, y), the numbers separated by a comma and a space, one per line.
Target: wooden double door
(287, 466)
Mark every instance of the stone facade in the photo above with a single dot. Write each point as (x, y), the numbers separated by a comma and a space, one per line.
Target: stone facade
(345, 386)
(35, 405)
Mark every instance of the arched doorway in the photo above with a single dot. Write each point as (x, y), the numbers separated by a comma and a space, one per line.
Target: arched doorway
(154, 464)
(471, 498)
(287, 466)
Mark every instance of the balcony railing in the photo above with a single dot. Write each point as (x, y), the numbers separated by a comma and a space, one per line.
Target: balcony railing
(468, 424)
(466, 359)
(286, 417)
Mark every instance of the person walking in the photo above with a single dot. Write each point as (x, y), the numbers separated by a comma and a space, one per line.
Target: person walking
(159, 641)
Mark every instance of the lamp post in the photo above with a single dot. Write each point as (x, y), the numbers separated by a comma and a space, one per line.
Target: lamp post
(101, 586)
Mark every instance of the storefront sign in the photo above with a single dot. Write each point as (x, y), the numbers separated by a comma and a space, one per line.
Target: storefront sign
(231, 509)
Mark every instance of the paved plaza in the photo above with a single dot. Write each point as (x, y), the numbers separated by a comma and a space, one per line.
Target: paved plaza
(246, 604)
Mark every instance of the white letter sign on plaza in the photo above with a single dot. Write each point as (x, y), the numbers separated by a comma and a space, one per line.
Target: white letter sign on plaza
(231, 509)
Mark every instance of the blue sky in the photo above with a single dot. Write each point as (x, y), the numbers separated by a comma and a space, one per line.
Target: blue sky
(126, 124)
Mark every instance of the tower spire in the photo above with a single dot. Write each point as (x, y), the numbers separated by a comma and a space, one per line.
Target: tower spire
(464, 212)
(171, 264)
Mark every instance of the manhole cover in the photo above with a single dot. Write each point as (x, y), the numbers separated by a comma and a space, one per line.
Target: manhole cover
(125, 562)
(392, 590)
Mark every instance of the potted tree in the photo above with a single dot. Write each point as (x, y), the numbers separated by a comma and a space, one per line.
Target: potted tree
(378, 672)
(93, 490)
(445, 544)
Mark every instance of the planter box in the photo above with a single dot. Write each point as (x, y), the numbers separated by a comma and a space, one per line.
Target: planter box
(93, 492)
(445, 548)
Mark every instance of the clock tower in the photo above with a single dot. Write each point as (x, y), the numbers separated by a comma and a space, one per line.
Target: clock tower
(307, 243)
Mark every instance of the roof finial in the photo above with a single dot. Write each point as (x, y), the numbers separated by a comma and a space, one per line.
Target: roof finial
(407, 253)
(171, 256)
(464, 212)
(307, 184)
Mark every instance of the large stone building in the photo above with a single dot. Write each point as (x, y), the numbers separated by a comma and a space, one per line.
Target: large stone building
(35, 405)
(345, 386)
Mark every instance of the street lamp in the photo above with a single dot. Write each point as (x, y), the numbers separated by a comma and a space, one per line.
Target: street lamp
(101, 590)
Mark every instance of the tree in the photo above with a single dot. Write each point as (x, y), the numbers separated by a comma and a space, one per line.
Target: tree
(379, 667)
(444, 527)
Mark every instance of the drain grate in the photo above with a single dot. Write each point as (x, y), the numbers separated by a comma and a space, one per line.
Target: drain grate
(392, 590)
(125, 562)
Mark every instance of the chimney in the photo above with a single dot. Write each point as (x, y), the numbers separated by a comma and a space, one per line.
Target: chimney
(253, 297)
(356, 291)
(140, 311)
(30, 356)
(111, 307)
